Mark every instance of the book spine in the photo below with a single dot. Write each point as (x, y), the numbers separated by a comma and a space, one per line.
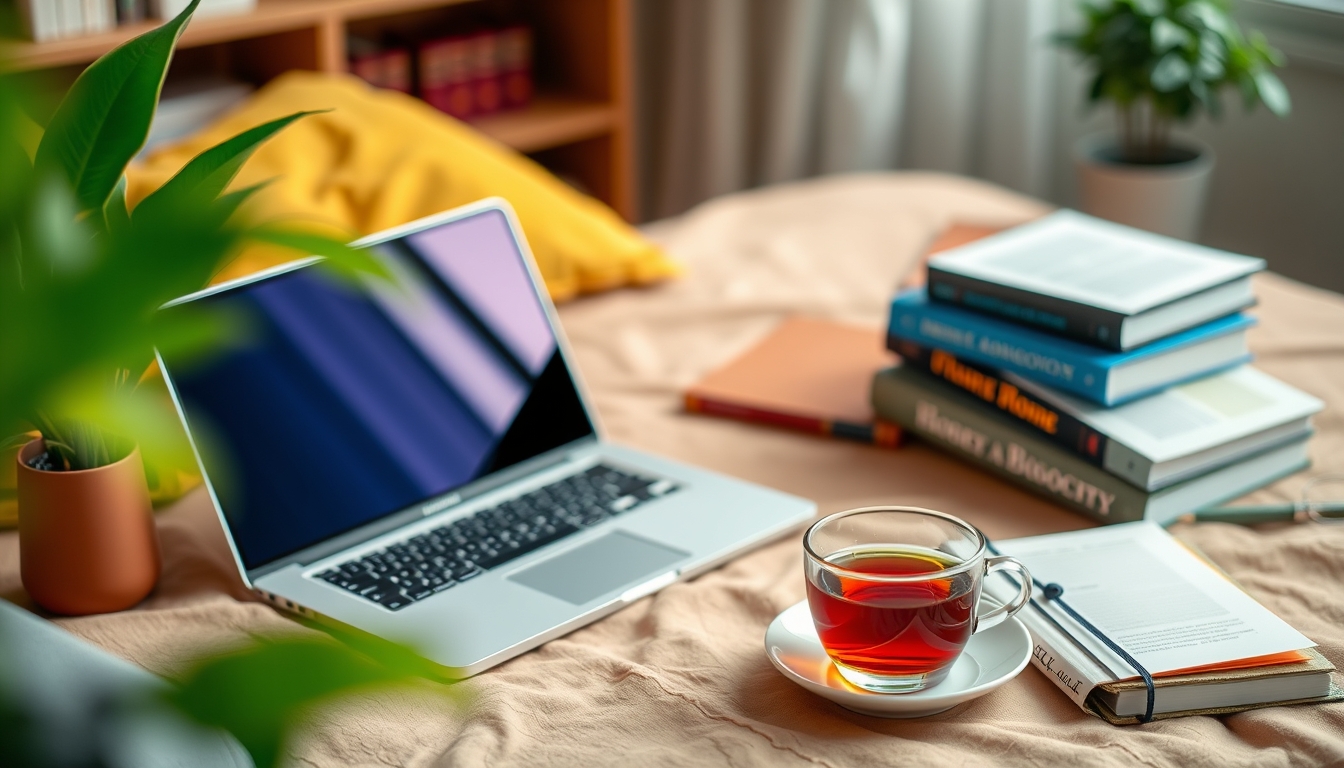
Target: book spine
(100, 16)
(368, 68)
(1052, 652)
(487, 88)
(1048, 657)
(1061, 317)
(397, 70)
(41, 19)
(1024, 408)
(71, 16)
(951, 421)
(515, 65)
(992, 343)
(880, 433)
(131, 11)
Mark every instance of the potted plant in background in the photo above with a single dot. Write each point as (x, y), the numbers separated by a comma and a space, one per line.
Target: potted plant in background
(81, 278)
(1160, 63)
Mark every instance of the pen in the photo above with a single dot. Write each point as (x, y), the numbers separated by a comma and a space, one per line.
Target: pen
(1251, 514)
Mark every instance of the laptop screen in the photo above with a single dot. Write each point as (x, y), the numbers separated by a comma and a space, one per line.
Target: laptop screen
(346, 403)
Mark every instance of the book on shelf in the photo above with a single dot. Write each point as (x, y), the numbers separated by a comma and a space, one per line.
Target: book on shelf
(1099, 375)
(99, 16)
(132, 11)
(808, 374)
(961, 425)
(487, 89)
(1152, 442)
(1094, 281)
(69, 16)
(41, 19)
(446, 75)
(382, 66)
(169, 9)
(515, 65)
(1209, 646)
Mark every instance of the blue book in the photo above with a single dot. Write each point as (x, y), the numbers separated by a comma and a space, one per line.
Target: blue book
(1099, 375)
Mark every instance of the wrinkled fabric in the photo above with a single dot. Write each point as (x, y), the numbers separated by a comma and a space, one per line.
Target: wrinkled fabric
(681, 678)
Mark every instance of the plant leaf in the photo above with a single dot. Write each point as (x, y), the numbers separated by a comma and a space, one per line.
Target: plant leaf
(209, 173)
(1148, 7)
(1167, 34)
(259, 693)
(104, 119)
(115, 216)
(1171, 72)
(340, 258)
(1273, 93)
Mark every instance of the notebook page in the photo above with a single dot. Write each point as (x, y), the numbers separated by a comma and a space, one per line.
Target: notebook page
(1155, 598)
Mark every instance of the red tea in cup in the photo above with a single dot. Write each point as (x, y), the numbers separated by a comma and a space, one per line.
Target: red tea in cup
(893, 628)
(895, 593)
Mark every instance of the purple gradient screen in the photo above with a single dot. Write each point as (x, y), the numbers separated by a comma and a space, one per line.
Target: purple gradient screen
(349, 403)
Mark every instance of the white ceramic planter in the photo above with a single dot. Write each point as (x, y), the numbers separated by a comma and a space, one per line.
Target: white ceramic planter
(1166, 198)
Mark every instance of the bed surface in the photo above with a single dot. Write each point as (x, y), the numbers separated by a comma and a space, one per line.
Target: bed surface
(681, 678)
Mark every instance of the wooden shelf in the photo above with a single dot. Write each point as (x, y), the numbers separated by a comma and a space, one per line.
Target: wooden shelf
(270, 16)
(580, 125)
(549, 121)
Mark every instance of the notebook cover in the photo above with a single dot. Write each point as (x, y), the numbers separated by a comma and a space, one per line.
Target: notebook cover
(808, 374)
(1100, 709)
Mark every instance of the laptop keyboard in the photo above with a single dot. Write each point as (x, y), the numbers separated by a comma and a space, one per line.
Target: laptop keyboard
(427, 564)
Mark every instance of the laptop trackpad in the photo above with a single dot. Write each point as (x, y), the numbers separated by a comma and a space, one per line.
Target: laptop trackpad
(616, 560)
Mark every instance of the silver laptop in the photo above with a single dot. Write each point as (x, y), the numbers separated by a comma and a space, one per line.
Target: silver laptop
(415, 458)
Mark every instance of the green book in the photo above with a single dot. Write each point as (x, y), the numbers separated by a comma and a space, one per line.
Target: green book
(969, 430)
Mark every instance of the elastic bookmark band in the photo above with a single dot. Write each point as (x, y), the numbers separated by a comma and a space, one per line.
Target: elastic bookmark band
(1054, 593)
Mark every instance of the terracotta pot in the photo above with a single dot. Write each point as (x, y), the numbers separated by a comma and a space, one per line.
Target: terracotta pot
(87, 542)
(1166, 198)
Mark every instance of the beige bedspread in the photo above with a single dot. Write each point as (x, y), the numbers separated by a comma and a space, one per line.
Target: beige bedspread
(681, 677)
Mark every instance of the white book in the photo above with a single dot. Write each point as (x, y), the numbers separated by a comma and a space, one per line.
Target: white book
(1093, 280)
(70, 17)
(168, 9)
(99, 16)
(41, 19)
(1191, 428)
(1170, 610)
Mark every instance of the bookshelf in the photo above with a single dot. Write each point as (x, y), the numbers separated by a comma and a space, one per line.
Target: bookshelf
(579, 123)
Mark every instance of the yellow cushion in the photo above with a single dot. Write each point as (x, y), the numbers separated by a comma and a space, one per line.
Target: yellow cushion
(380, 159)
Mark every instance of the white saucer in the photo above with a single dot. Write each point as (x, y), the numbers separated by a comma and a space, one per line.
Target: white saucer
(992, 658)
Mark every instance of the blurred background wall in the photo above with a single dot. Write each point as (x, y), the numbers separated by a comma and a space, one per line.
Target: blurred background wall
(735, 94)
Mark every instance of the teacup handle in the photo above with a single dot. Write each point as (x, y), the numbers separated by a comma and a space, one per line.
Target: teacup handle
(997, 615)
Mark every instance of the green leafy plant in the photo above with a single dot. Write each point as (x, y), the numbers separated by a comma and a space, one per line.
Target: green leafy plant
(81, 278)
(1163, 61)
(82, 274)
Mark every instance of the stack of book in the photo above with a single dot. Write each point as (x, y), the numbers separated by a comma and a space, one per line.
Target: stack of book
(466, 75)
(1098, 365)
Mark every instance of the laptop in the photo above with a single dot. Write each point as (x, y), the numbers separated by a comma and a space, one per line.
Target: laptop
(414, 457)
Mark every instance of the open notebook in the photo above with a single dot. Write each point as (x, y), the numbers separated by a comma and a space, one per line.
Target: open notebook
(1210, 647)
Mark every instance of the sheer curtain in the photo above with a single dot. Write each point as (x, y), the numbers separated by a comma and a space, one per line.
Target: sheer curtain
(740, 93)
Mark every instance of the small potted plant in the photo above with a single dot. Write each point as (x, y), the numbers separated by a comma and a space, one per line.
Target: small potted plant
(81, 277)
(1160, 63)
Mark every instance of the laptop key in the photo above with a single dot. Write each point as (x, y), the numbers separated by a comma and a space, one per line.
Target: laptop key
(430, 562)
